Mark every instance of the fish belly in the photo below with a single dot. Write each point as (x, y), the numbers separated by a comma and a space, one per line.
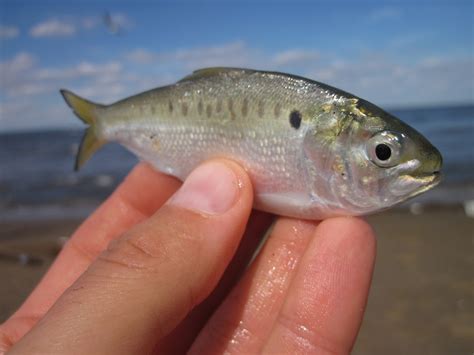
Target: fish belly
(272, 159)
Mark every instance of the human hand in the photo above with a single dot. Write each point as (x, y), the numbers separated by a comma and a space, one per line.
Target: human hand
(146, 273)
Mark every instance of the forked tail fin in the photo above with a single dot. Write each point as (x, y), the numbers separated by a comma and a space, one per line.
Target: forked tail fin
(87, 113)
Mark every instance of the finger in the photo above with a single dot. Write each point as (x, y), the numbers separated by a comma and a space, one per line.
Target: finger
(149, 279)
(181, 338)
(324, 309)
(138, 197)
(242, 323)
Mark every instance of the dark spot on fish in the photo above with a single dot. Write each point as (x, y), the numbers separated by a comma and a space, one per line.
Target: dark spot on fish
(208, 110)
(219, 105)
(200, 108)
(261, 108)
(230, 105)
(245, 107)
(170, 106)
(184, 108)
(295, 119)
(277, 110)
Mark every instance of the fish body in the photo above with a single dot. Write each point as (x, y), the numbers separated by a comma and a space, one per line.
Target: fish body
(312, 151)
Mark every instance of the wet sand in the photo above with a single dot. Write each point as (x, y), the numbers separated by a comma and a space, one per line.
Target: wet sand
(421, 301)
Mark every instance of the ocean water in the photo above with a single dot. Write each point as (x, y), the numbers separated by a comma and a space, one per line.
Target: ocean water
(37, 178)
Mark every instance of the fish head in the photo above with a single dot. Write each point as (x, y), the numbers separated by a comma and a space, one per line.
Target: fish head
(393, 161)
(379, 161)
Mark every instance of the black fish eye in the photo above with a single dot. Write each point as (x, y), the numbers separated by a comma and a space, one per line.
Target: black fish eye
(383, 152)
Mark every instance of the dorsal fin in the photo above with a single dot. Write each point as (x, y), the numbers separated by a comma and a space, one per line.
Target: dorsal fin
(215, 71)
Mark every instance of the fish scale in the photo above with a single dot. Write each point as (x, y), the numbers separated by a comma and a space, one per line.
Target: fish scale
(187, 140)
(306, 146)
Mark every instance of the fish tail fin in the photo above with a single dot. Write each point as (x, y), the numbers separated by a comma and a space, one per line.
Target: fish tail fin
(87, 112)
(89, 145)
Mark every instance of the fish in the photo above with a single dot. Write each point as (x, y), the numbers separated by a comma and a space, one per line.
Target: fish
(312, 151)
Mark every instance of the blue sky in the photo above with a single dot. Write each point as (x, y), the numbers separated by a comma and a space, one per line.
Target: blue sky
(397, 53)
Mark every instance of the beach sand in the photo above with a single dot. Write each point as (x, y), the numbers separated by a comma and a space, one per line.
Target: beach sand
(421, 301)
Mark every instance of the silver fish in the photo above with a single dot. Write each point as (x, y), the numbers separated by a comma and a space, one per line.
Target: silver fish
(312, 151)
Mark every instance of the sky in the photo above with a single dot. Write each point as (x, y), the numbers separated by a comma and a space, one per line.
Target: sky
(392, 53)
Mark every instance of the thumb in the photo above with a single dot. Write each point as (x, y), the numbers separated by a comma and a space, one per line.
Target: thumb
(146, 282)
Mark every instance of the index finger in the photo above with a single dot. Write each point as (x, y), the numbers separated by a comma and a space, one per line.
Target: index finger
(142, 192)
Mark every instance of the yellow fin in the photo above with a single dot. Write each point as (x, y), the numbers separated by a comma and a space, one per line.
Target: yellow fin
(87, 111)
(89, 145)
(84, 109)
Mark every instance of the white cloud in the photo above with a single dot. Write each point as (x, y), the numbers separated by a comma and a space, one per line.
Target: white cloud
(53, 28)
(182, 61)
(296, 57)
(15, 75)
(13, 72)
(83, 69)
(22, 61)
(65, 27)
(103, 92)
(29, 89)
(8, 32)
(409, 40)
(432, 80)
(432, 62)
(30, 96)
(231, 54)
(21, 76)
(104, 83)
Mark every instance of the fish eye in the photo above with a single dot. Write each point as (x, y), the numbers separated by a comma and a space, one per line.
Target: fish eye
(384, 149)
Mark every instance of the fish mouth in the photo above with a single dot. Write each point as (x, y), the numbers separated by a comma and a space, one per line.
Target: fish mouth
(429, 178)
(425, 181)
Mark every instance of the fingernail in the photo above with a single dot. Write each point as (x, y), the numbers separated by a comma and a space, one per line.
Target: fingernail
(212, 189)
